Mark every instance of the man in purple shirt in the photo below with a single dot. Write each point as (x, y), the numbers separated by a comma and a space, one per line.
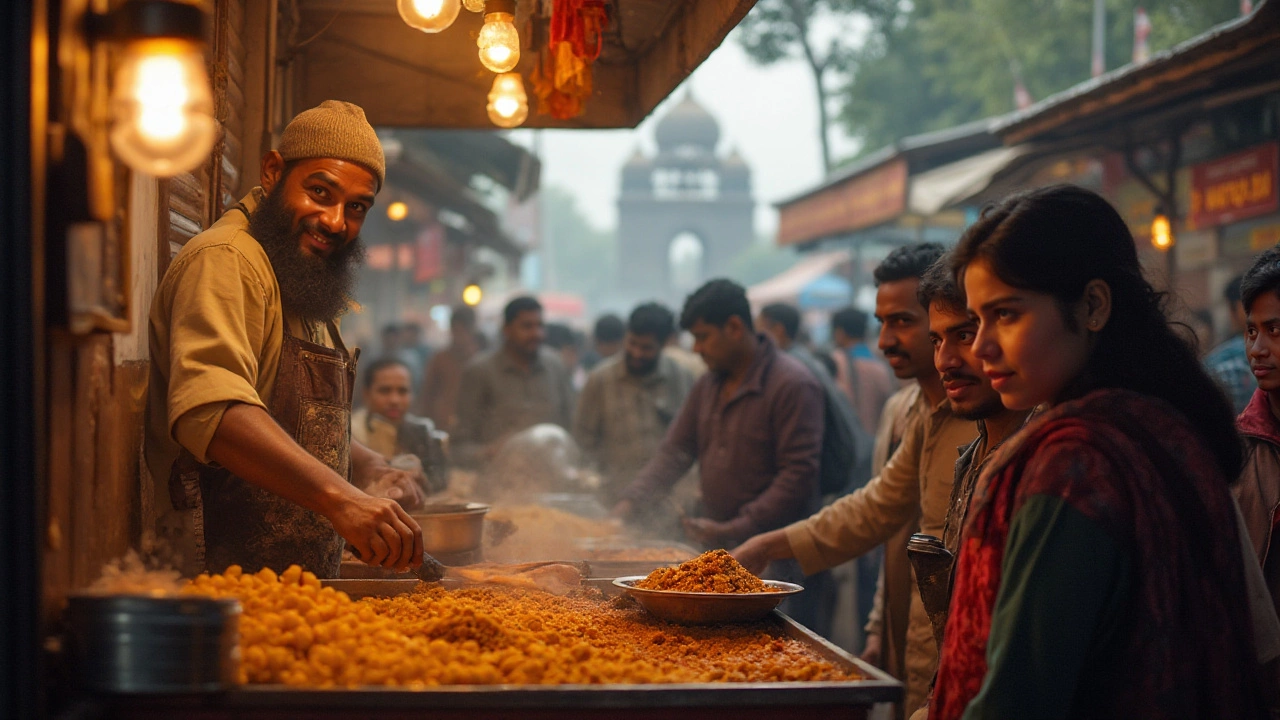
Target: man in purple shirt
(753, 424)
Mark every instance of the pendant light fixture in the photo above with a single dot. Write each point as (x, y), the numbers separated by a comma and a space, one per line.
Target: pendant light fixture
(1161, 231)
(429, 16)
(499, 42)
(508, 104)
(162, 120)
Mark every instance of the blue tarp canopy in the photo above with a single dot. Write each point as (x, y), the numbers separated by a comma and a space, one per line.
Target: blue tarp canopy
(826, 292)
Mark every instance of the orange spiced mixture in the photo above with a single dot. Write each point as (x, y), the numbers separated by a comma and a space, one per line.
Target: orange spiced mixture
(296, 632)
(714, 571)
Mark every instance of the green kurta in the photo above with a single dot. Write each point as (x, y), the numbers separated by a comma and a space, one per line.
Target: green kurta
(1060, 570)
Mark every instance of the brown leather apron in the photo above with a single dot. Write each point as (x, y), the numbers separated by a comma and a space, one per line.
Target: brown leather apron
(239, 523)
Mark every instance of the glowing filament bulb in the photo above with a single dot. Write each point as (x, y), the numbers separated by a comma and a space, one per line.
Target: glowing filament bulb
(429, 16)
(1161, 232)
(508, 104)
(161, 108)
(499, 42)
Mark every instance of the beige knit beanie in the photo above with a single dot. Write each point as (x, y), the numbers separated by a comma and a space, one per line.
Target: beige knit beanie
(334, 129)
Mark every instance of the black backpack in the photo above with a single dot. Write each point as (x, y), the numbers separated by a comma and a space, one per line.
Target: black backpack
(846, 446)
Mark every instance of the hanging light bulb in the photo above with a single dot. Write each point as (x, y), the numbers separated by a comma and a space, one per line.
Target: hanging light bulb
(1161, 232)
(499, 42)
(429, 16)
(472, 295)
(162, 119)
(397, 211)
(473, 5)
(508, 104)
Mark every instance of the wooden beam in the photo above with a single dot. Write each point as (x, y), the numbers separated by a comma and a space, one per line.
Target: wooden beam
(401, 77)
(1178, 82)
(686, 44)
(260, 66)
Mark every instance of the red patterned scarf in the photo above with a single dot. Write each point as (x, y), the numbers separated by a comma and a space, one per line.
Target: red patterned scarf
(1188, 652)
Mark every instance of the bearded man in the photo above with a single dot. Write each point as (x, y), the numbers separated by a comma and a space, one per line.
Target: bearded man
(630, 400)
(250, 388)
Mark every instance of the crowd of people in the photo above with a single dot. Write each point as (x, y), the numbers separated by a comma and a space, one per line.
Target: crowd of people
(1108, 516)
(1103, 500)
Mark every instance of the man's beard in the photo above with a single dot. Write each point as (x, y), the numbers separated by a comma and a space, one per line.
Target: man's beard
(638, 367)
(312, 288)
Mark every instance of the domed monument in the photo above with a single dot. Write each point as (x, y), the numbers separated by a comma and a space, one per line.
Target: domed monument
(684, 214)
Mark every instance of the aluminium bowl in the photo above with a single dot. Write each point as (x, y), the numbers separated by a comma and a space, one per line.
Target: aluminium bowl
(451, 527)
(704, 608)
(140, 644)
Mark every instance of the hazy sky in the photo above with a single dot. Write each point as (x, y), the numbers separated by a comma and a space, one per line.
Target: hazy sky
(768, 114)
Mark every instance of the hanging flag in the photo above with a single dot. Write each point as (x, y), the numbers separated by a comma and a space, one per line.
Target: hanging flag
(1141, 30)
(430, 253)
(1021, 97)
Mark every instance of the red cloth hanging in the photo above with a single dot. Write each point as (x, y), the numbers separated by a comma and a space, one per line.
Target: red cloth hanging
(580, 23)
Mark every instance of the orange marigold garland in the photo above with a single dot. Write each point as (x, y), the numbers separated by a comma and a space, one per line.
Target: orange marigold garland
(563, 79)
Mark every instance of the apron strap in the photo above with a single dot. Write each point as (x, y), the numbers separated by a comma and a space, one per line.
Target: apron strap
(184, 493)
(336, 337)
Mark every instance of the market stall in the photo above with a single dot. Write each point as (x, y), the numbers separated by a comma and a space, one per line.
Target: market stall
(537, 605)
(476, 641)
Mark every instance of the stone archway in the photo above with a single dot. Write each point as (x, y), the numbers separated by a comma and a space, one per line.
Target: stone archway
(686, 261)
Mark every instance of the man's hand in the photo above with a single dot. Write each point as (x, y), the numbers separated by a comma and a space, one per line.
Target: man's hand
(706, 532)
(372, 473)
(395, 484)
(249, 443)
(874, 647)
(756, 553)
(379, 531)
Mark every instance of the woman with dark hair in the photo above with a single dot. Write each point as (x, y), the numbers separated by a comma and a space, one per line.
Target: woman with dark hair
(1101, 572)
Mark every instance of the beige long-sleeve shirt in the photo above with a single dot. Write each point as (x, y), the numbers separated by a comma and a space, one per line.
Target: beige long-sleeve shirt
(918, 476)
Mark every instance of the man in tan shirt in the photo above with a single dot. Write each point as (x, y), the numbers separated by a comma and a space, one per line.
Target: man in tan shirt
(249, 395)
(916, 480)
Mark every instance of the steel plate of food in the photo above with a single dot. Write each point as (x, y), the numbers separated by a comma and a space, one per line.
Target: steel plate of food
(710, 589)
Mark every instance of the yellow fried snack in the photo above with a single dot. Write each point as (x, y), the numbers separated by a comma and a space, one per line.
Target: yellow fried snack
(714, 571)
(295, 632)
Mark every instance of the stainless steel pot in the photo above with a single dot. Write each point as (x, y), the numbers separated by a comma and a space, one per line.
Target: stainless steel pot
(451, 528)
(133, 644)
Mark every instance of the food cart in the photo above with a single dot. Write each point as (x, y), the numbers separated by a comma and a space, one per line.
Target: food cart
(848, 697)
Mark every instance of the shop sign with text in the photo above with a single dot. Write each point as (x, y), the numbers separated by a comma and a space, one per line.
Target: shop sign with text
(1234, 188)
(856, 203)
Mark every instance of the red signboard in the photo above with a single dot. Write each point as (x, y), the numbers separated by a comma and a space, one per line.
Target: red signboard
(856, 203)
(1235, 187)
(430, 253)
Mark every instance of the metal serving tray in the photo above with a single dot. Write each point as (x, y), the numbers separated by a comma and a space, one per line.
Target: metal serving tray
(742, 701)
(622, 568)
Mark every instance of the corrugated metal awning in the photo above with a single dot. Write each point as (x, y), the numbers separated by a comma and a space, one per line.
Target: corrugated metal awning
(942, 187)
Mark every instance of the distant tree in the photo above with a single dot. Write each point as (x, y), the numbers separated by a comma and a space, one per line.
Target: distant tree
(583, 257)
(894, 92)
(823, 33)
(760, 261)
(944, 62)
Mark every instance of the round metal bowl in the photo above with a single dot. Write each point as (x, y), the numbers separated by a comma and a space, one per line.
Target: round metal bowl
(696, 608)
(451, 528)
(135, 644)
